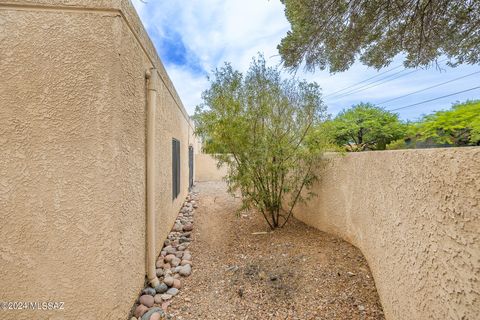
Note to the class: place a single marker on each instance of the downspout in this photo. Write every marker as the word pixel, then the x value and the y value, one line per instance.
pixel 151 76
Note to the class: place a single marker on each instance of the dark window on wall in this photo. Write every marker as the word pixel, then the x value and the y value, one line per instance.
pixel 175 168
pixel 190 167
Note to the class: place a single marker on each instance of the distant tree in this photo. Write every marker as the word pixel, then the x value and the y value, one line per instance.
pixel 409 139
pixel 365 127
pixel 459 126
pixel 261 126
pixel 334 33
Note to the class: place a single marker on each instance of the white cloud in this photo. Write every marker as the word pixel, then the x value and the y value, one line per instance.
pixel 189 86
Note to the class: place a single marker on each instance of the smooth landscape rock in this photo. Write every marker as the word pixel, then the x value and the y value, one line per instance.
pixel 185 262
pixel 169 257
pixel 177 283
pixel 169 249
pixel 188 227
pixel 166 296
pixel 158 298
pixel 187 256
pixel 159 264
pixel 155 316
pixel 172 291
pixel 185 271
pixel 150 291
pixel 140 310
pixel 161 288
pixel 160 272
pixel 168 281
pixel 146 300
pixel 151 312
pixel 175 262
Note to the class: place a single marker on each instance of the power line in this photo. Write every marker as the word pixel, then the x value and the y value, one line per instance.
pixel 375 84
pixel 379 82
pixel 428 88
pixel 445 96
pixel 356 84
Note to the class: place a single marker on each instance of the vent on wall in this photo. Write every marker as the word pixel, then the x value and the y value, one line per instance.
pixel 175 168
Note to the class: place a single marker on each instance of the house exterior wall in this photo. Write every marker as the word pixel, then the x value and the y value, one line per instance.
pixel 72 162
pixel 415 215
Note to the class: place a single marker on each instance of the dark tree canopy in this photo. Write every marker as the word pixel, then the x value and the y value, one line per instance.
pixel 334 33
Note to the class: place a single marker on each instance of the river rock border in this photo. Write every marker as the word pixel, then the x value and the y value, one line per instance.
pixel 173 264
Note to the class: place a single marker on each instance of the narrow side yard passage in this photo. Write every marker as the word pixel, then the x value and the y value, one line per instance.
pixel 296 272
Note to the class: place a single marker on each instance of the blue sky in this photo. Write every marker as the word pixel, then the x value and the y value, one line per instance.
pixel 195 38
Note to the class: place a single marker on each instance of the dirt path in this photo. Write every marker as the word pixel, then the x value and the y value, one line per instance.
pixel 294 273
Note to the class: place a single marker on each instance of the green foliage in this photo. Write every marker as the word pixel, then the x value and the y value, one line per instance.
pixel 397 145
pixel 365 127
pixel 459 126
pixel 334 33
pixel 409 140
pixel 261 126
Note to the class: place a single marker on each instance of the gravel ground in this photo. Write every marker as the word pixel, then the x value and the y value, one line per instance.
pixel 297 272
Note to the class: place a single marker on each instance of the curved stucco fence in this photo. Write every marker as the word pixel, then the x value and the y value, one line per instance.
pixel 72 160
pixel 415 215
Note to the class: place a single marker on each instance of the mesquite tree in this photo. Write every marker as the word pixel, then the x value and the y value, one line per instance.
pixel 334 33
pixel 261 127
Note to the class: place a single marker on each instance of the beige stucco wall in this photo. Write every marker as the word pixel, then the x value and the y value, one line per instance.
pixel 207 170
pixel 72 161
pixel 415 215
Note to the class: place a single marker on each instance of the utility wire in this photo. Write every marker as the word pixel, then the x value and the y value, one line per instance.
pixel 378 82
pixel 445 96
pixel 428 88
pixel 356 84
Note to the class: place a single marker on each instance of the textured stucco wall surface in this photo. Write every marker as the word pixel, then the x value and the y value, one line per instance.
pixel 72 161
pixel 415 215
pixel 206 168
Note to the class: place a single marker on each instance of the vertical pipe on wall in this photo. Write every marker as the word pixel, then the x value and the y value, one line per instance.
pixel 151 76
